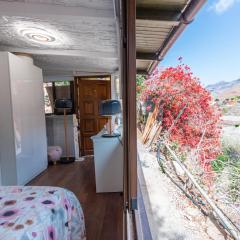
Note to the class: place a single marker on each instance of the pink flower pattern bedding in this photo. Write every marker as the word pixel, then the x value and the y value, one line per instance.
pixel 40 213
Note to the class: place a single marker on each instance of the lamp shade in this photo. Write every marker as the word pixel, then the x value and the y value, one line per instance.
pixel 63 103
pixel 109 107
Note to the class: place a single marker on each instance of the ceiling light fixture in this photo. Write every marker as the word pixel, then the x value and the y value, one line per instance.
pixel 40 34
pixel 37 35
pixel 44 38
pixel 40 38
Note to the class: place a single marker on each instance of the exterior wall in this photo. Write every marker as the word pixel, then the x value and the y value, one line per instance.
pixel 26 154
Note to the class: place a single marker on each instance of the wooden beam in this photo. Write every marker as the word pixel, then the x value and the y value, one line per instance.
pixel 142 72
pixel 150 39
pixel 58 69
pixel 158 15
pixel 155 24
pixel 61 52
pixel 53 74
pixel 146 49
pixel 38 10
pixel 131 102
pixel 54 78
pixel 149 34
pixel 128 65
pixel 147 56
pixel 159 29
pixel 150 43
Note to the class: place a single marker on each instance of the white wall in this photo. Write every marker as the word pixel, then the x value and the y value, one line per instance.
pixel 23 146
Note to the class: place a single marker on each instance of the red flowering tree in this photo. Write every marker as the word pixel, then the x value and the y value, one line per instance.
pixel 186 112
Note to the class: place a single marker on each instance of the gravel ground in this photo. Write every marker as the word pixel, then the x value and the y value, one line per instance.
pixel 175 216
pixel 197 225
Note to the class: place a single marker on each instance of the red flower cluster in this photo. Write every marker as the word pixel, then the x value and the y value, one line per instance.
pixel 186 111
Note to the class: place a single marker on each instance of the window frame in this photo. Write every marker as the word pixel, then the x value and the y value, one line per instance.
pixel 72 97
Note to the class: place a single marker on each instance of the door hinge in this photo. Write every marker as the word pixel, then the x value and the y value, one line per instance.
pixel 134 204
pixel 124 42
pixel 126 206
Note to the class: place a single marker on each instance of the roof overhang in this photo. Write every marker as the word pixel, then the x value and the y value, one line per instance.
pixel 158 25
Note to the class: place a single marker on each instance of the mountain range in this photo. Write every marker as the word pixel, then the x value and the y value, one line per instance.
pixel 223 90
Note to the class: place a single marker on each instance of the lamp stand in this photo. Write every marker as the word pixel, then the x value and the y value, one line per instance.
pixel 66 159
pixel 110 133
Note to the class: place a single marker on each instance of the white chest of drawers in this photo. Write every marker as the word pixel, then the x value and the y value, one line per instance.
pixel 108 161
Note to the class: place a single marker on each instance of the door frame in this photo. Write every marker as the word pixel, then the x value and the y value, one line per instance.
pixel 77 80
pixel 128 77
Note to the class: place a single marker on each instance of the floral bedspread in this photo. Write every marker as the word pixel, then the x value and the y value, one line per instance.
pixel 40 213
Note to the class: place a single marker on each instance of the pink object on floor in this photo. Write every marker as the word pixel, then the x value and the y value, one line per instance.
pixel 54 153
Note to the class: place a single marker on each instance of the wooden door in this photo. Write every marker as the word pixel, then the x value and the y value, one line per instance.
pixel 90 94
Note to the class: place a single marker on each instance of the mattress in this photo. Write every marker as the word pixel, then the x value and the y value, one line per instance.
pixel 40 213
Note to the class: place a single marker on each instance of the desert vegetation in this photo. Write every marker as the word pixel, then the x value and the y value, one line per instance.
pixel 174 108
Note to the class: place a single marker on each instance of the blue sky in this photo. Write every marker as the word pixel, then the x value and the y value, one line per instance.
pixel 211 44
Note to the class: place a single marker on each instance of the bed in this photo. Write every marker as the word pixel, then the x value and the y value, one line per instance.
pixel 40 213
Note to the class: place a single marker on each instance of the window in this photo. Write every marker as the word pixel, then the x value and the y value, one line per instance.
pixel 48 97
pixel 57 90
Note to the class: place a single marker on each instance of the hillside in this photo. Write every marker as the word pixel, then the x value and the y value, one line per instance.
pixel 228 96
pixel 224 90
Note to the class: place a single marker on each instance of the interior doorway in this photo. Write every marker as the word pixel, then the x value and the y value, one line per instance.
pixel 89 92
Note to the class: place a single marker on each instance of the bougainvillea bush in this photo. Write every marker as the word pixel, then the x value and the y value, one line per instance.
pixel 186 112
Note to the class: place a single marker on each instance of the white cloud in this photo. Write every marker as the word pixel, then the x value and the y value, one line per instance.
pixel 221 6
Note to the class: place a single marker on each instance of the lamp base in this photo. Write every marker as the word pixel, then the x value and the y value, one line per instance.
pixel 66 160
pixel 107 135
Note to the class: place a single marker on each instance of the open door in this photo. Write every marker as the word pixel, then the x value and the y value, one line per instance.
pixel 128 76
pixel 90 91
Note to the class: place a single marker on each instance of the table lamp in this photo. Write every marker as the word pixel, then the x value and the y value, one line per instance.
pixel 109 108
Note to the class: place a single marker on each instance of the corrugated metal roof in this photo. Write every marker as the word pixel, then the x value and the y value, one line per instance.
pixel 162 4
pixel 157 21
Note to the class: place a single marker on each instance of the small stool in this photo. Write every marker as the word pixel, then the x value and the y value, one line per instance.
pixel 54 154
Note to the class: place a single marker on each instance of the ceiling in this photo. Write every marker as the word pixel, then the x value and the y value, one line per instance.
pixel 80 37
pixel 76 36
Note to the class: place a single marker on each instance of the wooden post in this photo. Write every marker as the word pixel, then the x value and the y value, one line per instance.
pixel 65 133
pixel 128 79
pixel 128 58
pixel 227 224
